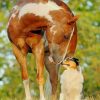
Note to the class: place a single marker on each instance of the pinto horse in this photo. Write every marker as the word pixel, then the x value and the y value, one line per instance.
pixel 47 29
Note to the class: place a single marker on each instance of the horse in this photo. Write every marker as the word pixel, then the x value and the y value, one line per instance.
pixel 47 29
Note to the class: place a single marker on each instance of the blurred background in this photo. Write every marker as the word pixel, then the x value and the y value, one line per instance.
pixel 88 51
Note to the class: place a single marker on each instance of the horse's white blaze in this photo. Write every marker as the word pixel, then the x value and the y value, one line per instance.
pixel 39 9
pixel 53 30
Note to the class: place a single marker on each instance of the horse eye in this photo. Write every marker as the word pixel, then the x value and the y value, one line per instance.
pixel 66 37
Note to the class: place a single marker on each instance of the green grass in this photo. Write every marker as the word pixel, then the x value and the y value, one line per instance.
pixel 37 98
pixel 93 98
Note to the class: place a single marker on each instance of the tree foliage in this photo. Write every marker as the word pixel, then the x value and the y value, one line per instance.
pixel 88 51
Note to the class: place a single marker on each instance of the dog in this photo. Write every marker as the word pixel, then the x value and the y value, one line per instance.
pixel 71 80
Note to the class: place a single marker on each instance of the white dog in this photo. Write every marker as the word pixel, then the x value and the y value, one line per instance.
pixel 71 80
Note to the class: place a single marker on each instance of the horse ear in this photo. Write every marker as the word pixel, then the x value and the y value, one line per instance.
pixel 73 20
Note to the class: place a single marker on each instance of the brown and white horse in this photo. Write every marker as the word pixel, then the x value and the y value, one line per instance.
pixel 46 28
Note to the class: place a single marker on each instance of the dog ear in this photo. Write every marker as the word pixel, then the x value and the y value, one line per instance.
pixel 73 20
pixel 76 61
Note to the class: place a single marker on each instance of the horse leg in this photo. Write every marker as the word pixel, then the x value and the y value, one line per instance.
pixel 39 54
pixel 21 58
pixel 51 68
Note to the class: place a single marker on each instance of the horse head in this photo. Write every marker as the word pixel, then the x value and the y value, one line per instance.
pixel 65 39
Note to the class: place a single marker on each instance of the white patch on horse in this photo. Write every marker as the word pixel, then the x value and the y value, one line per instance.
pixel 15 7
pixel 27 90
pixel 39 9
pixel 52 29
pixel 12 16
pixel 15 11
pixel 50 59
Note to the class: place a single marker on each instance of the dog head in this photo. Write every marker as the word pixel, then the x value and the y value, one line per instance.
pixel 70 63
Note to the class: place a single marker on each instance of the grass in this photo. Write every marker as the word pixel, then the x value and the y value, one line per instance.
pixel 36 98
pixel 93 98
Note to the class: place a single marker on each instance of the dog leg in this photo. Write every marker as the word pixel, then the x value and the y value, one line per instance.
pixel 21 58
